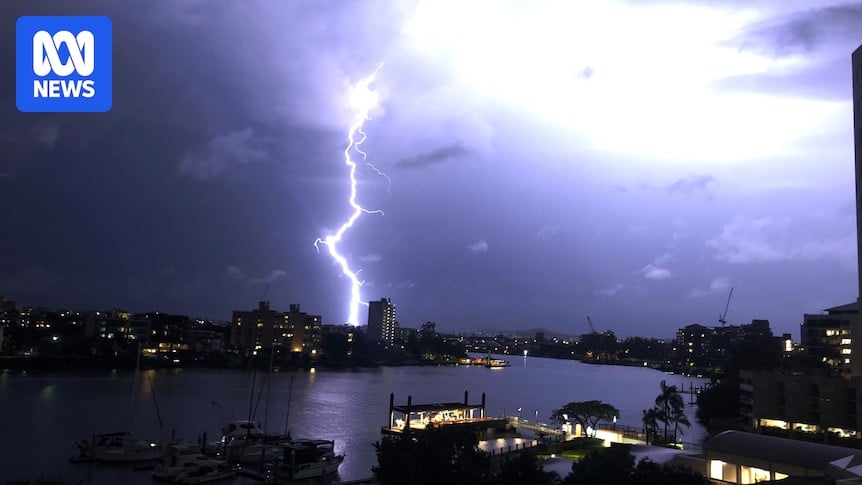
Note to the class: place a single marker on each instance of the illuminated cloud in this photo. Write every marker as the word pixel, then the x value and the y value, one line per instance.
pixel 652 272
pixel 234 273
pixel 767 240
pixel 611 290
pixel 478 247
pixel 237 147
pixel 717 286
pixel 736 100
pixel 657 270
pixel 371 258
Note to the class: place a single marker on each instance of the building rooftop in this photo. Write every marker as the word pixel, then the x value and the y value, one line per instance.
pixel 438 407
pixel 848 308
pixel 781 450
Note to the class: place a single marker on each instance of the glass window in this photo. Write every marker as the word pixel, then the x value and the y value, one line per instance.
pixel 750 474
pixel 719 470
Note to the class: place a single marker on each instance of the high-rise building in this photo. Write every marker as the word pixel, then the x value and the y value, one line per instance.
pixel 856 61
pixel 382 326
pixel 256 329
pixel 264 329
pixel 834 338
pixel 301 331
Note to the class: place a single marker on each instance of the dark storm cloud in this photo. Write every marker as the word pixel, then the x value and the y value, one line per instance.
pixel 216 111
pixel 220 163
pixel 823 79
pixel 823 37
pixel 434 157
pixel 236 147
pixel 804 31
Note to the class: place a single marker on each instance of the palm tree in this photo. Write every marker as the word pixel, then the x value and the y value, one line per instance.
pixel 678 417
pixel 670 407
pixel 650 421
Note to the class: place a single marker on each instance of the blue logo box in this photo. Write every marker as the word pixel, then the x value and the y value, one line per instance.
pixel 63 64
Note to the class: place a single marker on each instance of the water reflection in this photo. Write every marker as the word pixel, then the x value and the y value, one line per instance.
pixel 348 406
pixel 47 392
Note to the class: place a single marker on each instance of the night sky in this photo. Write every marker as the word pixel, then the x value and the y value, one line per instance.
pixel 630 161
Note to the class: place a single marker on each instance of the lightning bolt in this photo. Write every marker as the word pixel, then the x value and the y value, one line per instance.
pixel 382 174
pixel 363 100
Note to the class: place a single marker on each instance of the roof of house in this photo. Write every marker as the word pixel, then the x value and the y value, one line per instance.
pixel 779 450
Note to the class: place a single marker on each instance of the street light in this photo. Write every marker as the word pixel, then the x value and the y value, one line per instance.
pixel 519 414
pixel 537 417
pixel 615 423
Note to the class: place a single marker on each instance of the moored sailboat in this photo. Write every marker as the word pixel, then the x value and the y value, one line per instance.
pixel 121 447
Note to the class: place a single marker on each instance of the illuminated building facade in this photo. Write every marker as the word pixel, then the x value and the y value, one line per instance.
pixel 833 339
pixel 411 416
pixel 802 402
pixel 264 328
pixel 301 331
pixel 700 346
pixel 253 330
pixel 747 458
pixel 382 326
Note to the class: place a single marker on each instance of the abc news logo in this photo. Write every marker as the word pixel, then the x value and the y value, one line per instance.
pixel 46 59
pixel 63 64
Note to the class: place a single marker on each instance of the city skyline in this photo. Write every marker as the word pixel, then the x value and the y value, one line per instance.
pixel 627 161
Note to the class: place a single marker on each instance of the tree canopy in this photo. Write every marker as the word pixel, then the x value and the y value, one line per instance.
pixel 616 466
pixel 436 455
pixel 586 413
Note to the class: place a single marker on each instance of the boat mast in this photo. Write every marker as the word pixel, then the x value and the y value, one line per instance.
pixel 131 417
pixel 289 395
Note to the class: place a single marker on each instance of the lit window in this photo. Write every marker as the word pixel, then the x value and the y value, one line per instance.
pixel 846 351
pixel 845 341
pixel 719 470
pixel 750 474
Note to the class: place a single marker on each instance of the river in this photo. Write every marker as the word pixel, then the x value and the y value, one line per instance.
pixel 44 413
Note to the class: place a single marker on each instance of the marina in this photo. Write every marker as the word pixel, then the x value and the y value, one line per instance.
pixel 348 408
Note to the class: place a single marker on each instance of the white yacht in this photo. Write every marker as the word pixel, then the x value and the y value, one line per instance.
pixel 305 459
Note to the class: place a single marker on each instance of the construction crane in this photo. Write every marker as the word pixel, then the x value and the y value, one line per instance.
pixel 722 319
pixel 592 328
